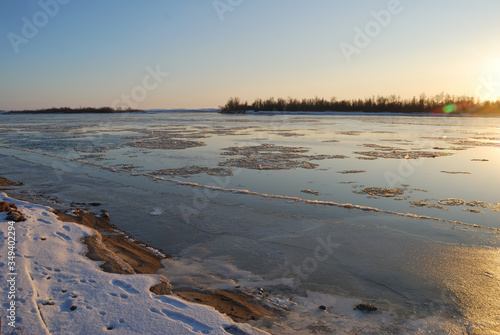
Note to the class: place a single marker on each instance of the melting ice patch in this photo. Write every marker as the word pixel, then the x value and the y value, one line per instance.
pixel 337 316
pixel 157 211
pixel 214 273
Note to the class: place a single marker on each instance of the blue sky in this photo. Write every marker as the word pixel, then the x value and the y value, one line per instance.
pixel 102 53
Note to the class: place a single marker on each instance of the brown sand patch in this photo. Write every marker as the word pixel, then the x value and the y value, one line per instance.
pixel 4 182
pixel 13 214
pixel 4 206
pixel 479 160
pixel 162 288
pixel 238 306
pixel 110 245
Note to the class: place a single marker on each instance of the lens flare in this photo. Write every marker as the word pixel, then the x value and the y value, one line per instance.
pixel 450 108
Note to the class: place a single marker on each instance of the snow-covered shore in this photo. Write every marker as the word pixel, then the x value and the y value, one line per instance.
pixel 60 291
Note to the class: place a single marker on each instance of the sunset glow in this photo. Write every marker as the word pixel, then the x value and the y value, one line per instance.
pixel 93 53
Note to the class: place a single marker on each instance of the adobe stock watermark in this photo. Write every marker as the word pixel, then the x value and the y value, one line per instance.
pixel 139 93
pixel 31 27
pixel 150 81
pixel 322 252
pixel 206 193
pixel 407 167
pixel 488 88
pixel 372 29
pixel 223 6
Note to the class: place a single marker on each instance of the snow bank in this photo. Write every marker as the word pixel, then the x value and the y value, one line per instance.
pixel 60 291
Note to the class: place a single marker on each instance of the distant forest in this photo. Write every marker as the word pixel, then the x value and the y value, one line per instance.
pixel 438 104
pixel 67 110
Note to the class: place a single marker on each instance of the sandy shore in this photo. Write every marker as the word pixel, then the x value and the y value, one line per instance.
pixel 4 182
pixel 122 254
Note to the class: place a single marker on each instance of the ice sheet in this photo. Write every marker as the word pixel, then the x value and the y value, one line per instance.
pixel 256 229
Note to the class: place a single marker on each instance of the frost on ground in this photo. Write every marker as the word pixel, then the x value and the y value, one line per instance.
pixel 59 291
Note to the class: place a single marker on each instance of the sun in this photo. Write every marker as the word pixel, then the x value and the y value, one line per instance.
pixel 488 87
pixel 496 66
pixel 495 74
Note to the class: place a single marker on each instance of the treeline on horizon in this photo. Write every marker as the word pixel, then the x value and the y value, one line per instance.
pixel 440 103
pixel 81 110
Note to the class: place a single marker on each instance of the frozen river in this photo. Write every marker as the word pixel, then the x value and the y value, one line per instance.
pixel 401 212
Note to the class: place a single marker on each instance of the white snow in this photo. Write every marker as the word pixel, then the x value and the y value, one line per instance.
pixel 53 277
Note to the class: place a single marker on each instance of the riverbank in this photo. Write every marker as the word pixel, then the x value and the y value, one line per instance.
pixel 118 254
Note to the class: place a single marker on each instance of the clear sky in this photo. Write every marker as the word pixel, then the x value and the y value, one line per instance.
pixel 102 53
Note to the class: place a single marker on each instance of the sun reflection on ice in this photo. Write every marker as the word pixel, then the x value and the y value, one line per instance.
pixel 471 278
